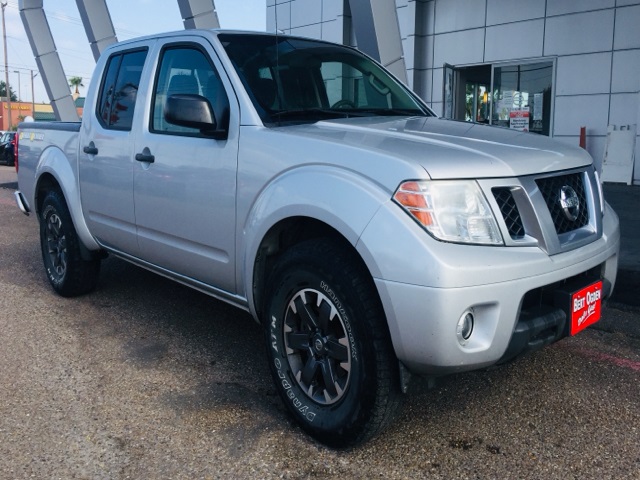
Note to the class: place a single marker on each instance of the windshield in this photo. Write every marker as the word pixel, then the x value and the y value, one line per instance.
pixel 299 80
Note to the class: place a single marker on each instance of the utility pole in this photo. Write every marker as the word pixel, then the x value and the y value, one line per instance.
pixel 6 67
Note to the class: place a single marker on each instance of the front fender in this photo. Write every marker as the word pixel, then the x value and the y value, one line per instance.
pixel 54 162
pixel 337 197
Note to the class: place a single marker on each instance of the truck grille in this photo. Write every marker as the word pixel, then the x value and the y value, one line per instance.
pixel 566 200
pixel 509 210
pixel 555 213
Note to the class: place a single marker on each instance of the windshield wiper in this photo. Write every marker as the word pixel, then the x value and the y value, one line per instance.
pixel 314 114
pixel 309 114
pixel 389 112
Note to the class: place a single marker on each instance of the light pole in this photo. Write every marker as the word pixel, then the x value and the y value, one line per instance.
pixel 33 97
pixel 19 96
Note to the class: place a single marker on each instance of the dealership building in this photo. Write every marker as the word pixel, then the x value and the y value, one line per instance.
pixel 546 66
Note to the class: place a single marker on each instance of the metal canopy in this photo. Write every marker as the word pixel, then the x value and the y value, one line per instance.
pixel 198 14
pixel 375 23
pixel 97 25
pixel 47 59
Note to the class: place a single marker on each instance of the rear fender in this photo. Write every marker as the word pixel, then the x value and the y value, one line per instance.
pixel 54 162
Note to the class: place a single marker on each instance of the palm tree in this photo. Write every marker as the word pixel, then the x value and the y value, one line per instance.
pixel 3 91
pixel 76 82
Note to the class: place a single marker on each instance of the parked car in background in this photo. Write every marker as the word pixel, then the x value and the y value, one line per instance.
pixel 7 147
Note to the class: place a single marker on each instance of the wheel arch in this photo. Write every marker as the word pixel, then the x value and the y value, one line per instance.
pixel 54 171
pixel 46 183
pixel 309 202
pixel 282 236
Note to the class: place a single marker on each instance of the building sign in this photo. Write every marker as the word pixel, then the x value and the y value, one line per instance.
pixel 519 119
pixel 17 107
pixel 537 107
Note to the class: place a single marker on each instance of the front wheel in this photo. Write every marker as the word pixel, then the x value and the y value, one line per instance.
pixel 329 346
pixel 68 273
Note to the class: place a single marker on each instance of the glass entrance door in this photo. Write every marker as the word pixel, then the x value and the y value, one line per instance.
pixel 477 107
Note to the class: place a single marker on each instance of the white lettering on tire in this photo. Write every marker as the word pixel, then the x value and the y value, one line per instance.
pixel 301 407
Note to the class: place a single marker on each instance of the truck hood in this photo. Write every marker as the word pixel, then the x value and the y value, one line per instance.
pixel 452 149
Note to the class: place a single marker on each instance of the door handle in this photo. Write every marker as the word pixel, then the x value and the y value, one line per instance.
pixel 90 149
pixel 145 156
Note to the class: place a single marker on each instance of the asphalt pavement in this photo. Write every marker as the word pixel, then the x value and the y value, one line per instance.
pixel 625 200
pixel 145 378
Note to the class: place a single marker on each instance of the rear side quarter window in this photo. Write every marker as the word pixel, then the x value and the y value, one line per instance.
pixel 119 89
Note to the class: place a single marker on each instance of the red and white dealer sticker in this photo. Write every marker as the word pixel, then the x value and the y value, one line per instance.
pixel 585 307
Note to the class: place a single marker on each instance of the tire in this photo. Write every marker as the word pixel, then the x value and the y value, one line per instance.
pixel 9 159
pixel 328 345
pixel 69 274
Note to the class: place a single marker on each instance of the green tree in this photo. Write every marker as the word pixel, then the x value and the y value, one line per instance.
pixel 3 91
pixel 76 82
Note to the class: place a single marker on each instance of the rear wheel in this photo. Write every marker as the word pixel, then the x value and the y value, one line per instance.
pixel 68 273
pixel 329 346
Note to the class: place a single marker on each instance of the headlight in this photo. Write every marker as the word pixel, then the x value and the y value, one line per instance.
pixel 450 210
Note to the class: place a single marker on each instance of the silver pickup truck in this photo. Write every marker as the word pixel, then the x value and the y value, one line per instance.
pixel 298 180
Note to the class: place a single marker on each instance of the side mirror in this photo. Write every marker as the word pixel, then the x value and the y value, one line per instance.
pixel 193 111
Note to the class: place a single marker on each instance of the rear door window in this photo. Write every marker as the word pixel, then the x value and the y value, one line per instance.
pixel 119 89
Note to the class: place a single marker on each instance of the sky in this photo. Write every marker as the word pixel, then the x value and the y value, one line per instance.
pixel 131 18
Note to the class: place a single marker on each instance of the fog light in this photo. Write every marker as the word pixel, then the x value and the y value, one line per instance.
pixel 465 327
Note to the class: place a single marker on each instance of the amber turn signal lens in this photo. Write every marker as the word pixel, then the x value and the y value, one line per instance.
pixel 410 196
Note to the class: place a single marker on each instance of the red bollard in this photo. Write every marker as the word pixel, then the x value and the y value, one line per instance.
pixel 583 137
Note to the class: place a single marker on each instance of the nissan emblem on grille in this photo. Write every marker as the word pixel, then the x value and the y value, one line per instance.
pixel 570 202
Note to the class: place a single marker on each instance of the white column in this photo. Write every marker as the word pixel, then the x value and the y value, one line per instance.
pixel 97 25
pixel 47 59
pixel 198 14
pixel 375 23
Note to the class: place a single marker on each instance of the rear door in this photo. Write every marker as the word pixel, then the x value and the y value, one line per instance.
pixel 106 151
pixel 184 181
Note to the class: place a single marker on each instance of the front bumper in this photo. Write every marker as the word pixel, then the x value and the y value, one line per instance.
pixel 510 291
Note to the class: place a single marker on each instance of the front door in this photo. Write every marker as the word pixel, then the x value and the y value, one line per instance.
pixel 184 181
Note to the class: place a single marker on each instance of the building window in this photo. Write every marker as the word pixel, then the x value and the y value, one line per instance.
pixel 522 96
